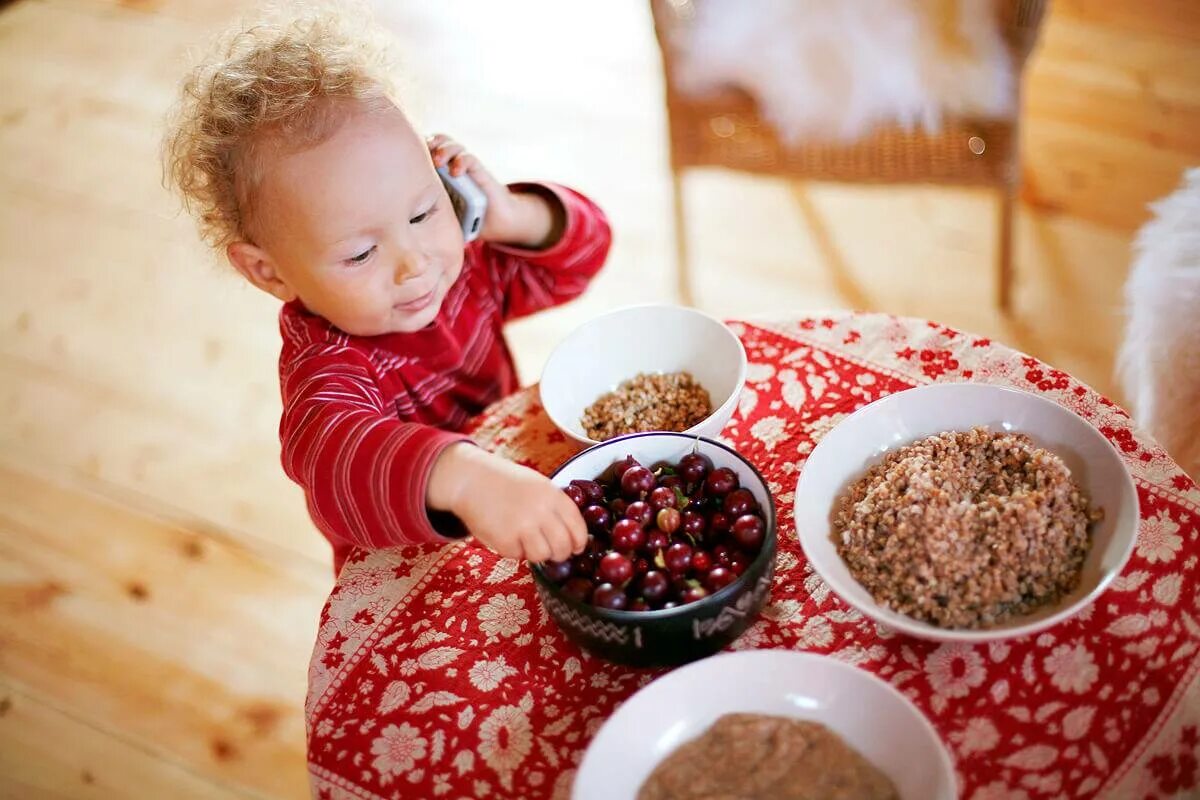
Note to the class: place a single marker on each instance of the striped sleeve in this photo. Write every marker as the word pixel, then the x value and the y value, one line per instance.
pixel 531 280
pixel 364 472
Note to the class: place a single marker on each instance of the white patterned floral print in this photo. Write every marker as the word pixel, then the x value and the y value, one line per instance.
pixel 1158 539
pixel 954 670
pixel 1071 668
pixel 505 739
pixel 998 790
pixel 504 615
pixel 487 675
pixel 397 750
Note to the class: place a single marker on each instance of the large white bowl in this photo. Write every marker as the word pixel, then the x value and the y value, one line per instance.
pixel 869 714
pixel 652 339
pixel 863 438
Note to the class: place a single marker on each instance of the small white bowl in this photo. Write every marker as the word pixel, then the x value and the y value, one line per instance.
pixel 652 339
pixel 863 438
pixel 869 714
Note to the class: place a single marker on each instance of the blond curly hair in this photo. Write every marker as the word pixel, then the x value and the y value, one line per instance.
pixel 267 83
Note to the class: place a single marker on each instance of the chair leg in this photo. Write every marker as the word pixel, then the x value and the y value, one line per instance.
pixel 682 267
pixel 1004 277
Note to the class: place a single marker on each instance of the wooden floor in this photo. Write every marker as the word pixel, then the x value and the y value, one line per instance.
pixel 159 579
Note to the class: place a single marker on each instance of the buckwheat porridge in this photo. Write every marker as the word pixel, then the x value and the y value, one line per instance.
pixel 966 529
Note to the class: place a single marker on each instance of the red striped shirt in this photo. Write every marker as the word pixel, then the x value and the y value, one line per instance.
pixel 364 418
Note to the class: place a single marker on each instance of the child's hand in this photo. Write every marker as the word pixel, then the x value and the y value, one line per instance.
pixel 512 509
pixel 518 218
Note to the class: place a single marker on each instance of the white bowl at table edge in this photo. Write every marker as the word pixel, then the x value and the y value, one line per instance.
pixel 893 734
pixel 976 404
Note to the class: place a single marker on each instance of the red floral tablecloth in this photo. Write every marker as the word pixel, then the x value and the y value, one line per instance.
pixel 436 674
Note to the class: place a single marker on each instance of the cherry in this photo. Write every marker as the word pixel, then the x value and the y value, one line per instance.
pixel 702 561
pixel 618 507
pixel 739 502
pixel 557 571
pixel 640 511
pixel 737 565
pixel 718 578
pixel 637 482
pixel 678 558
pixel 748 531
pixel 721 553
pixel 693 524
pixel 627 535
pixel 578 589
pixel 597 519
pixel 669 520
pixel 657 540
pixel 592 490
pixel 694 467
pixel 655 585
pixel 623 466
pixel 577 495
pixel 671 482
pixel 584 564
pixel 615 568
pixel 720 481
pixel 692 594
pixel 670 604
pixel 640 566
pixel 639 604
pixel 661 498
pixel 609 596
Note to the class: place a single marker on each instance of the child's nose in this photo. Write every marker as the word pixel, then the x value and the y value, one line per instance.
pixel 406 268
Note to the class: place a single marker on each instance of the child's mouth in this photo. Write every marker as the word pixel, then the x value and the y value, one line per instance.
pixel 417 304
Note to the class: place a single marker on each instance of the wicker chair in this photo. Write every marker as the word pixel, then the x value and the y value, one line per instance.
pixel 724 130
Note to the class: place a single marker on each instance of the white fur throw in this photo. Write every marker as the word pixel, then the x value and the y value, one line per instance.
pixel 1159 361
pixel 834 69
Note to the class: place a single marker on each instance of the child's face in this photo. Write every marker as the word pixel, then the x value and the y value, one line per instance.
pixel 358 228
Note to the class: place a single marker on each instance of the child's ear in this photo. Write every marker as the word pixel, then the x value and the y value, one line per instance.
pixel 257 267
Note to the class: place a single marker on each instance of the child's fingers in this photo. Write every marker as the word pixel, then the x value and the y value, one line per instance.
pixel 462 162
pixel 537 547
pixel 573 520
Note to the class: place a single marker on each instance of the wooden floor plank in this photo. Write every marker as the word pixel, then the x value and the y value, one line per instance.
pixel 47 753
pixel 192 648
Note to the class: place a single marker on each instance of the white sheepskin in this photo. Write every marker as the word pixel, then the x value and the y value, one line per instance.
pixel 1159 362
pixel 822 70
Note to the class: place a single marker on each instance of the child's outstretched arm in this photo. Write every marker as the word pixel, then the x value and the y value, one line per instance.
pixel 372 480
pixel 542 242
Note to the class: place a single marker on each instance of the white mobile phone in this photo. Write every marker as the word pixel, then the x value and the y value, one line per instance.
pixel 469 201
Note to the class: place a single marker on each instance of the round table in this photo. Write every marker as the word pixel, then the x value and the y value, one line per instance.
pixel 436 673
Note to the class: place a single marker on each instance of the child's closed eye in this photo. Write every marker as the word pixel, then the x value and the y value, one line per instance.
pixel 424 215
pixel 362 257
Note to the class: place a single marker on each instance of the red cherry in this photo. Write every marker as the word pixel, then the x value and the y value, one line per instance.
pixel 694 467
pixel 597 519
pixel 623 466
pixel 640 511
pixel 655 585
pixel 702 561
pixel 720 482
pixel 661 498
pixel 748 531
pixel 615 568
pixel 577 495
pixel 637 482
pixel 578 589
pixel 627 536
pixel 592 490
pixel 609 596
pixel 720 523
pixel 678 558
pixel 718 578
pixel 657 540
pixel 693 594
pixel 739 502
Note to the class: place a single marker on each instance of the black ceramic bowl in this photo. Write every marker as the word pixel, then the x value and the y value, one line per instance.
pixel 676 635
